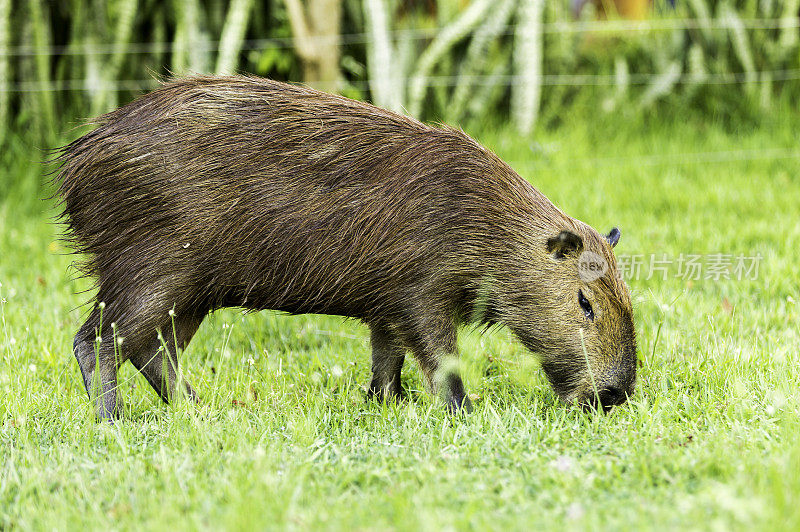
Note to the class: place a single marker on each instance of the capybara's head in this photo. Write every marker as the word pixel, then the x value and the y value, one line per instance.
pixel 577 315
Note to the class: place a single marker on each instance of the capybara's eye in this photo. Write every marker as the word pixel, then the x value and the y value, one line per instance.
pixel 585 305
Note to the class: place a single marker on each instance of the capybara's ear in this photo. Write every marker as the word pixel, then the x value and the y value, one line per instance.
pixel 613 236
pixel 564 243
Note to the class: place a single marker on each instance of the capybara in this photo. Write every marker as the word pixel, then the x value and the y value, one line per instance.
pixel 236 191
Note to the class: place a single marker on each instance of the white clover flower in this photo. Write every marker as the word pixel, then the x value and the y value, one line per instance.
pixel 563 463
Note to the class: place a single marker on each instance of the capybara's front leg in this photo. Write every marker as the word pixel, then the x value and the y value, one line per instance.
pixel 433 343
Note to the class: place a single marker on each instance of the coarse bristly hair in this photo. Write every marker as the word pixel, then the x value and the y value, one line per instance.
pixel 238 191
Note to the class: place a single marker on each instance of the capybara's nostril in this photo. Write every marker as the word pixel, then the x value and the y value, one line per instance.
pixel 611 396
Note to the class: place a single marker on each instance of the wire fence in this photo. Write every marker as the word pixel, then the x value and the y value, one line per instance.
pixel 675 159
pixel 564 27
pixel 726 78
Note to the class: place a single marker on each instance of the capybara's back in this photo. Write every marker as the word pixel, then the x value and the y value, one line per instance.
pixel 231 191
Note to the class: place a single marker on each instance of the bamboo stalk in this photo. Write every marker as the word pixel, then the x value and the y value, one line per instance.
pixel 381 67
pixel 106 97
pixel 486 95
pixel 528 56
pixel 476 57
pixel 233 36
pixel 661 85
pixel 196 51
pixel 741 45
pixel 180 44
pixel 41 43
pixel 5 41
pixel 188 51
pixel 442 43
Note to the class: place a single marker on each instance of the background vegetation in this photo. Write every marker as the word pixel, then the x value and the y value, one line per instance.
pixel 451 60
pixel 678 126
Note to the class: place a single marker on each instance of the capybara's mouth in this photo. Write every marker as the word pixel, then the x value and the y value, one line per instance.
pixel 603 399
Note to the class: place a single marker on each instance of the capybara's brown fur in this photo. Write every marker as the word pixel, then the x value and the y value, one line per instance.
pixel 215 192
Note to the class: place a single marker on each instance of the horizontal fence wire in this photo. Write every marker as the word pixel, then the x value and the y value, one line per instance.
pixel 612 26
pixel 674 159
pixel 724 78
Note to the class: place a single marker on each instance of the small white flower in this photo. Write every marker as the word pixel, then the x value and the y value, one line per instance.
pixel 336 371
pixel 99 339
pixel 563 463
pixel 114 325
pixel 575 511
pixel 171 313
pixel 102 305
pixel 32 368
pixel 120 340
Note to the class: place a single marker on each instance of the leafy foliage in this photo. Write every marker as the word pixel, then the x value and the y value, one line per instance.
pixel 445 60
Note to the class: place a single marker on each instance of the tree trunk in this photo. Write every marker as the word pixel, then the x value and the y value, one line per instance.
pixel 315 31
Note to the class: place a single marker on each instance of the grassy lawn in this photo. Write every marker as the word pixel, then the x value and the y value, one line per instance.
pixel 284 437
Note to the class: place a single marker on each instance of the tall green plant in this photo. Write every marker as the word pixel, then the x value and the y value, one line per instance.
pixel 106 97
pixel 477 58
pixel 189 52
pixel 233 35
pixel 383 75
pixel 5 85
pixel 45 104
pixel 441 45
pixel 528 54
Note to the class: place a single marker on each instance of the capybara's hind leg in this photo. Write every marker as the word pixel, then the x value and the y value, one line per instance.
pixel 388 354
pixel 158 361
pixel 99 363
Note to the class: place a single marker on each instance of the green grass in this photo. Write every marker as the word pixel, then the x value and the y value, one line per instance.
pixel 285 439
